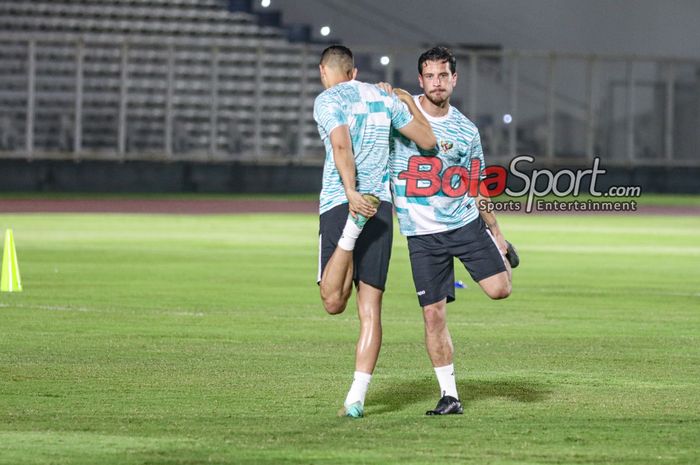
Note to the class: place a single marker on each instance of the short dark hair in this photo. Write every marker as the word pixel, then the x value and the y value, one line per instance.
pixel 338 56
pixel 441 54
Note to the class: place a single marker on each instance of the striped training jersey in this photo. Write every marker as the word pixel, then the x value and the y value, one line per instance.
pixel 429 186
pixel 369 113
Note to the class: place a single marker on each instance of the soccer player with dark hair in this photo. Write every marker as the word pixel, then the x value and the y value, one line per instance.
pixel 443 222
pixel 355 235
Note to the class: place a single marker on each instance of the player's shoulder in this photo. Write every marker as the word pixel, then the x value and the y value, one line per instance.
pixel 370 91
pixel 460 118
pixel 329 99
pixel 326 95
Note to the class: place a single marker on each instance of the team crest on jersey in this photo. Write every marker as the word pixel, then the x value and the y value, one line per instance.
pixel 446 145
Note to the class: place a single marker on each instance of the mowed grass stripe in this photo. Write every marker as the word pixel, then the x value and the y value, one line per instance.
pixel 177 339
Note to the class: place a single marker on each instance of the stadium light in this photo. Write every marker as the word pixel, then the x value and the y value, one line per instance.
pixel 325 30
pixel 507 118
pixel 384 60
pixel 264 3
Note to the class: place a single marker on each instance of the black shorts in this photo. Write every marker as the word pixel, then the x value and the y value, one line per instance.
pixel 372 249
pixel 432 260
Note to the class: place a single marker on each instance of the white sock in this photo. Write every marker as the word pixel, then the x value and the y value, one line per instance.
pixel 446 378
pixel 358 390
pixel 350 234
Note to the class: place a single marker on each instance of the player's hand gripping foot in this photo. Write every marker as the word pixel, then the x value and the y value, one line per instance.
pixel 512 256
pixel 363 215
pixel 447 405
pixel 354 410
pixel 364 207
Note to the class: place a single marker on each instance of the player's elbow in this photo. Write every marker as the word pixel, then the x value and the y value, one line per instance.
pixel 340 147
pixel 428 141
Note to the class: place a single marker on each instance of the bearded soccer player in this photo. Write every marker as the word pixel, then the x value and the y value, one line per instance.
pixel 354 121
pixel 442 222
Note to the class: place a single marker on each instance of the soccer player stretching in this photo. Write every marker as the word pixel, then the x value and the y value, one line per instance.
pixel 440 220
pixel 355 236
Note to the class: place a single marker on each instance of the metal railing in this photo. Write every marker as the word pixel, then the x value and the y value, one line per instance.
pixel 571 107
pixel 114 97
pixel 138 97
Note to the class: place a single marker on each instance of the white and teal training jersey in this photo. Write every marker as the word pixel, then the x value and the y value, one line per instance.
pixel 427 199
pixel 369 114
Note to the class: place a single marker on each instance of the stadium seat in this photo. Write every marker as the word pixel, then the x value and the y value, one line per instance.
pixel 194 27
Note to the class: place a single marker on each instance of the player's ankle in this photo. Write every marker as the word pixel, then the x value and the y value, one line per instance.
pixel 351 232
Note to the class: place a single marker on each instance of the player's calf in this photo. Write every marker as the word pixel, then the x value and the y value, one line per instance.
pixel 335 291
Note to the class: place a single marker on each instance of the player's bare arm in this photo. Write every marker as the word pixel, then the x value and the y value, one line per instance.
pixel 345 163
pixel 419 129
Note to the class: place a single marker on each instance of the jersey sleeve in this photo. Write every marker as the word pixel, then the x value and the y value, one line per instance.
pixel 400 115
pixel 476 152
pixel 328 113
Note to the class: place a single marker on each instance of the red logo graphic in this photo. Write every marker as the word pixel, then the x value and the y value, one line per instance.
pixel 425 177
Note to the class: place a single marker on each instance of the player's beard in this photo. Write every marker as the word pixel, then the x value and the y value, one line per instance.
pixel 439 100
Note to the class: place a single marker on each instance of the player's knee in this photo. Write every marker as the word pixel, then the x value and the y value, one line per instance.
pixel 434 316
pixel 500 292
pixel 334 306
pixel 368 312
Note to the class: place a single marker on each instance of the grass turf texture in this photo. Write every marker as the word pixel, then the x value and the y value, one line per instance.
pixel 181 340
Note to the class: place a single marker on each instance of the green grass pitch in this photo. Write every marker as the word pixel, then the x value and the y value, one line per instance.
pixel 185 340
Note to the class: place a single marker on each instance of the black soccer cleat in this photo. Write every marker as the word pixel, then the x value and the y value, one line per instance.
pixel 512 256
pixel 447 405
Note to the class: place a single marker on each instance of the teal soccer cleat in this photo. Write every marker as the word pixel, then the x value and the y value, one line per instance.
pixel 354 410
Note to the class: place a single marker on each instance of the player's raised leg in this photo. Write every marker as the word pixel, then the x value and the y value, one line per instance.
pixel 498 285
pixel 336 281
pixel 337 275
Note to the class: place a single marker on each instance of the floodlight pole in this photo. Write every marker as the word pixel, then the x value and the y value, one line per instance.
pixel 389 71
pixel 123 103
pixel 591 95
pixel 214 104
pixel 630 109
pixel 512 127
pixel 670 103
pixel 257 126
pixel 473 84
pixel 78 125
pixel 31 97
pixel 301 130
pixel 169 102
pixel 550 107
